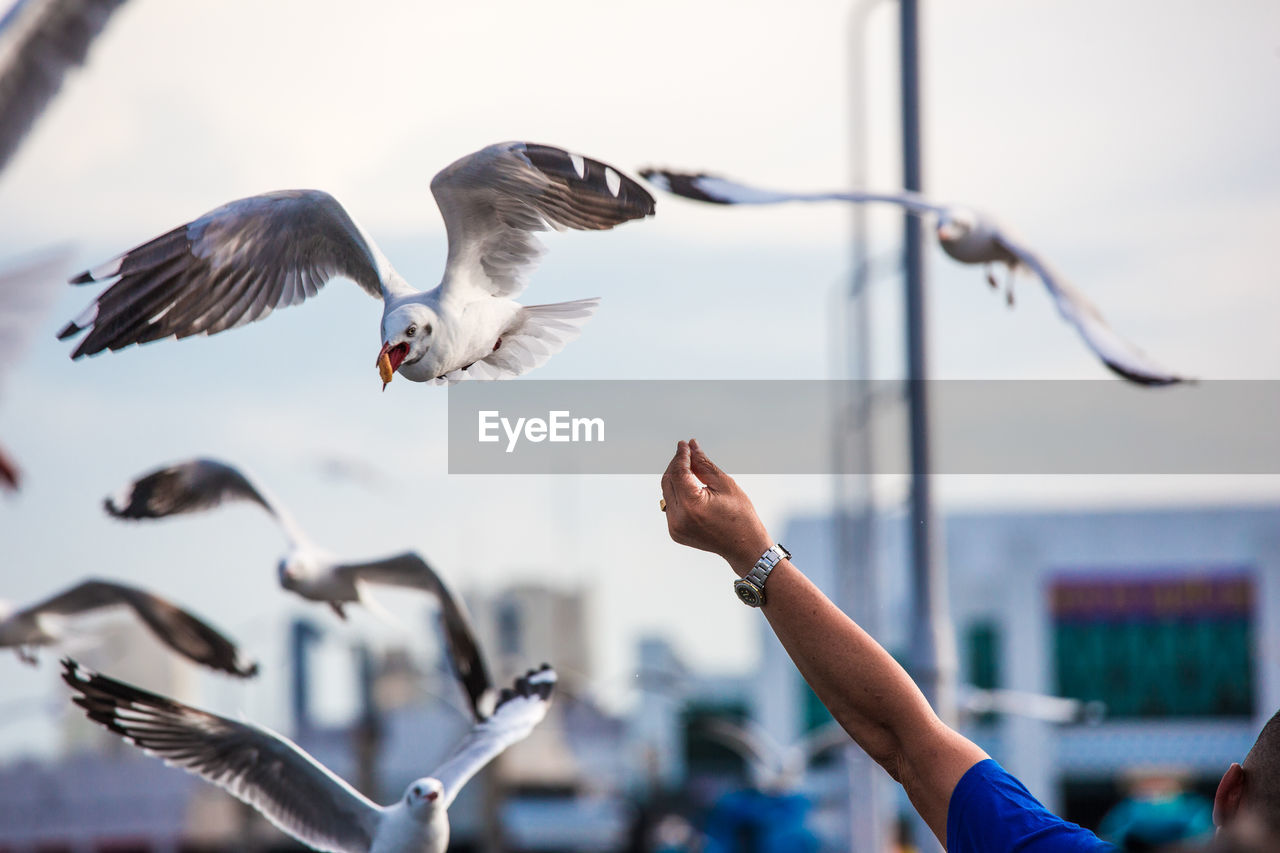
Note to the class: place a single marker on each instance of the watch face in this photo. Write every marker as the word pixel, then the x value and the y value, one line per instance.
pixel 747 592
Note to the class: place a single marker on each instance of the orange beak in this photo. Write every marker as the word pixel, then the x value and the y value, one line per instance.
pixel 389 360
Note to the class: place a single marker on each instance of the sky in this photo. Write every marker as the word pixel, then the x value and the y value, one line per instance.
pixel 1133 144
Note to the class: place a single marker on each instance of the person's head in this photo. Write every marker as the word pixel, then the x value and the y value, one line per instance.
pixel 1246 808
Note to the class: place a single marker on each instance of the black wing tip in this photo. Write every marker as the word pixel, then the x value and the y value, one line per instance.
pixel 633 201
pixel 85 277
pixel 684 184
pixel 1146 379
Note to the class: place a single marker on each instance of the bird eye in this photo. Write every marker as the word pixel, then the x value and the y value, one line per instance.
pixel 417 790
pixel 411 331
pixel 428 329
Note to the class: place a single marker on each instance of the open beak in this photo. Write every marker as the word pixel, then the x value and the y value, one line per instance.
pixel 389 360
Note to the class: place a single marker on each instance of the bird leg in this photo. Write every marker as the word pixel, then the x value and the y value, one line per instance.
pixel 26 655
pixel 1008 286
pixel 991 277
pixel 337 608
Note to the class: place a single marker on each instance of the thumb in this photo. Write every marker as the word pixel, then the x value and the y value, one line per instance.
pixel 706 470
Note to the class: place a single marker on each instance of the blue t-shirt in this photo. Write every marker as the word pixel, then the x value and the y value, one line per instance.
pixel 991 812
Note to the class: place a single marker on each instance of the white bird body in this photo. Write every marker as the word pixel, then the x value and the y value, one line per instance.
pixel 403 828
pixel 238 263
pixel 967 237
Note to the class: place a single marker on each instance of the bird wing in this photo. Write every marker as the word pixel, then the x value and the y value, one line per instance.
pixel 180 630
pixel 195 486
pixel 1118 354
pixel 748 741
pixel 519 710
pixel 701 186
pixel 823 739
pixel 465 657
pixel 231 266
pixel 254 764
pixel 39 41
pixel 540 332
pixel 494 199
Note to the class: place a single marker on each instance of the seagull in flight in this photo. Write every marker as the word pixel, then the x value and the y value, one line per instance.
pixel 966 236
pixel 774 767
pixel 289 787
pixel 53 621
pixel 238 263
pixel 40 40
pixel 310 571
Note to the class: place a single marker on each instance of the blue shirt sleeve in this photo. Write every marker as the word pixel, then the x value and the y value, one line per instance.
pixel 991 812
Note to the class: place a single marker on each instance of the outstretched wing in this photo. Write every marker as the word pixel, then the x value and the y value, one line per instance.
pixel 518 711
pixel 180 630
pixel 231 266
pixel 194 486
pixel 1118 354
pixel 40 40
pixel 465 657
pixel 493 200
pixel 258 766
pixel 748 741
pixel 701 186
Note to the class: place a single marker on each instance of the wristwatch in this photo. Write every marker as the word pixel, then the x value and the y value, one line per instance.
pixel 750 588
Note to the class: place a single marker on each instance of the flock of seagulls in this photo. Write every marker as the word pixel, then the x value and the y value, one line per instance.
pixel 235 265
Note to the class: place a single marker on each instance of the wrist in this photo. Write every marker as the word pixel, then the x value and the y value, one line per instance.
pixel 744 556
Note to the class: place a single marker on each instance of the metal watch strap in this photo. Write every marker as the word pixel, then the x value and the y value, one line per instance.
pixel 750 588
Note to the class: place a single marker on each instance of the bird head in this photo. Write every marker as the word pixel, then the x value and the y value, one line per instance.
pixel 424 796
pixel 956 224
pixel 407 333
pixel 290 571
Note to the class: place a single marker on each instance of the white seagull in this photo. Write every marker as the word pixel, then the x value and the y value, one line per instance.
pixel 40 40
pixel 52 621
pixel 292 789
pixel 966 236
pixel 238 263
pixel 307 569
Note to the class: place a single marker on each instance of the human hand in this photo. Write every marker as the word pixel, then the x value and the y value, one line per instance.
pixel 707 510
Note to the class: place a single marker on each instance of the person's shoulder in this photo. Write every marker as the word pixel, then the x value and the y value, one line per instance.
pixel 992 811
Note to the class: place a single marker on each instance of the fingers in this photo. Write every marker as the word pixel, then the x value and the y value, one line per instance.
pixel 707 471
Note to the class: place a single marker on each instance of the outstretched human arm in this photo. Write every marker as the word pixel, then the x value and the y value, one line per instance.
pixel 865 689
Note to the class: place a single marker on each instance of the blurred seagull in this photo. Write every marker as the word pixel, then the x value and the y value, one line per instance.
pixel 51 621
pixel 39 41
pixel 25 295
pixel 289 787
pixel 238 263
pixel 774 767
pixel 967 237
pixel 310 571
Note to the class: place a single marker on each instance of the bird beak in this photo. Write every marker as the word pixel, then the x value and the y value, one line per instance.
pixel 431 796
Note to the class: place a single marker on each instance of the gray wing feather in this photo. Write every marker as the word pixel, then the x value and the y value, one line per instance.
pixel 193 486
pixel 465 657
pixel 180 630
pixel 518 711
pixel 1119 355
pixel 714 189
pixel 258 766
pixel 232 266
pixel 40 40
pixel 494 199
